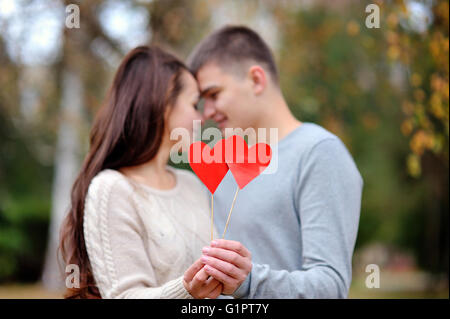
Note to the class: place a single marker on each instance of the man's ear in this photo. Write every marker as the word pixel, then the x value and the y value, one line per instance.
pixel 259 79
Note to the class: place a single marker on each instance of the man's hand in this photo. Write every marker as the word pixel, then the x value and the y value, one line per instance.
pixel 199 284
pixel 227 261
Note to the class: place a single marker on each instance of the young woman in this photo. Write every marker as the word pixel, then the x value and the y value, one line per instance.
pixel 136 226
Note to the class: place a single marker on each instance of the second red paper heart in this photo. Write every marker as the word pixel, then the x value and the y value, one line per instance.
pixel 246 163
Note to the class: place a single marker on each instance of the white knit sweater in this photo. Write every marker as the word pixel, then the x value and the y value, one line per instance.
pixel 141 240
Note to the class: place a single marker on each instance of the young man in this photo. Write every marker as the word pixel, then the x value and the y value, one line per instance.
pixel 299 223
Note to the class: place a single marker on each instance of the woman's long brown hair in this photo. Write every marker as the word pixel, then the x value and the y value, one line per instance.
pixel 127 131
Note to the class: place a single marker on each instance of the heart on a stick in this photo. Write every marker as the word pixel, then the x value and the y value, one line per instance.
pixel 246 163
pixel 209 164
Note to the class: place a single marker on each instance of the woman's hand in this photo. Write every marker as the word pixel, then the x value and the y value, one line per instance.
pixel 199 284
pixel 227 261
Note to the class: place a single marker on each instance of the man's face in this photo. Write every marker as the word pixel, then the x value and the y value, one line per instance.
pixel 228 98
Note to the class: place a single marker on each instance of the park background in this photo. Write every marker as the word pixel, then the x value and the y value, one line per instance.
pixel 384 91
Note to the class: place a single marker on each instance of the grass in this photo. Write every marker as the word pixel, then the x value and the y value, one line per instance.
pixel 37 291
pixel 399 285
pixel 27 291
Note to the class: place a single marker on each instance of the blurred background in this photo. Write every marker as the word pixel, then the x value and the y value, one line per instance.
pixel 384 91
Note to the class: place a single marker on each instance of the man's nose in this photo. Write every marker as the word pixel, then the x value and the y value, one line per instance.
pixel 208 109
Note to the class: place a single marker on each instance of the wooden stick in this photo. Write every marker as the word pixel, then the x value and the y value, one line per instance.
pixel 212 217
pixel 229 214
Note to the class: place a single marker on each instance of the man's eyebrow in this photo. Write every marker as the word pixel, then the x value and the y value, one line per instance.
pixel 209 89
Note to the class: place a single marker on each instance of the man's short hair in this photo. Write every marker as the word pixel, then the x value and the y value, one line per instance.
pixel 230 47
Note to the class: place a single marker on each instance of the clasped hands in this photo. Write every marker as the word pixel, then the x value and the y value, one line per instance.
pixel 222 268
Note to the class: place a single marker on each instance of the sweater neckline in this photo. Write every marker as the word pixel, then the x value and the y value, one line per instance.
pixel 153 190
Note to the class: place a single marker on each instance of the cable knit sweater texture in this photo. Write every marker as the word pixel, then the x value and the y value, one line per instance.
pixel 140 240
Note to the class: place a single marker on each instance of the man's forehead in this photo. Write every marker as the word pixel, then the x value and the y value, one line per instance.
pixel 209 76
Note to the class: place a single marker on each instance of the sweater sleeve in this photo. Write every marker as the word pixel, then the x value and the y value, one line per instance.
pixel 329 199
pixel 115 245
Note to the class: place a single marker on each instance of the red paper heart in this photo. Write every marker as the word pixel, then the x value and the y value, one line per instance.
pixel 209 165
pixel 245 164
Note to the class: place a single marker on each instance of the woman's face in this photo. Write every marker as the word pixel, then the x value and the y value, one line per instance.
pixel 183 114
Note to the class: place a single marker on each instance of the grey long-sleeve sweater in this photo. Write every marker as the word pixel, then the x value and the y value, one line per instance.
pixel 300 223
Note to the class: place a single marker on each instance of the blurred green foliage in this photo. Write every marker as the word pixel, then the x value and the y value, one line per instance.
pixel 339 73
pixel 24 206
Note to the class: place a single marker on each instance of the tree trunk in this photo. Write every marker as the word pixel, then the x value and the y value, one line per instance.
pixel 66 167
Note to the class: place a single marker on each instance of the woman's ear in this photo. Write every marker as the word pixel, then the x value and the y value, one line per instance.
pixel 259 79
